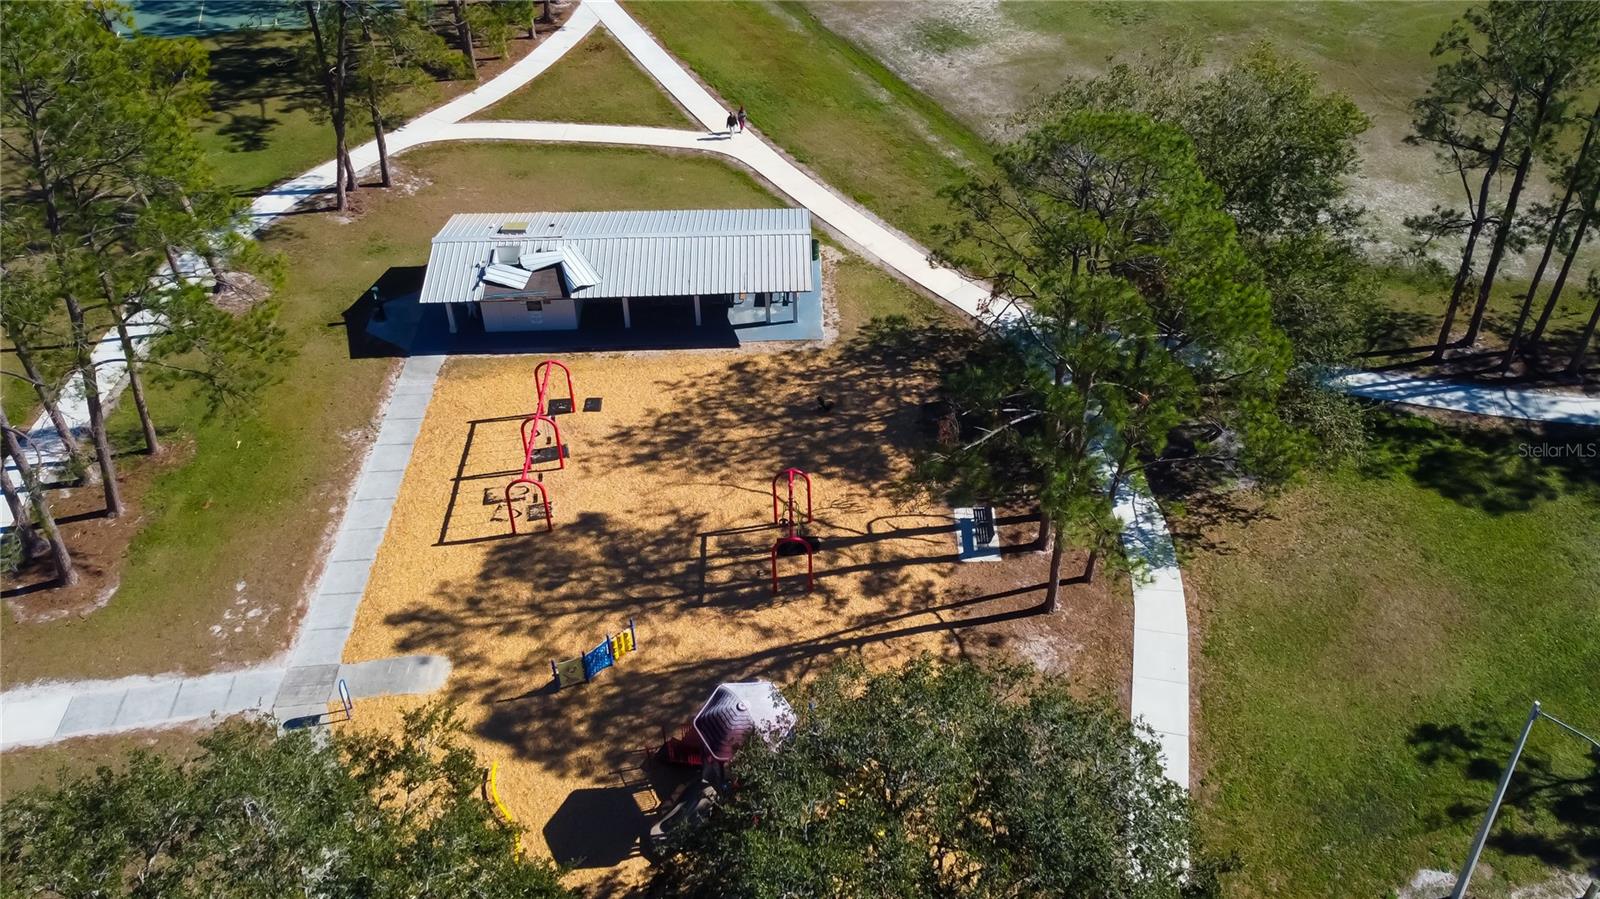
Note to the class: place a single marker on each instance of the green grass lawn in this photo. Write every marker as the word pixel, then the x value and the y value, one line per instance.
pixel 597 82
pixel 831 106
pixel 240 525
pixel 1376 52
pixel 264 126
pixel 1371 648
pixel 261 130
pixel 1411 309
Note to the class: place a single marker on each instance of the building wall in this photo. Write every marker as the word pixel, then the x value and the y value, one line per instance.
pixel 514 315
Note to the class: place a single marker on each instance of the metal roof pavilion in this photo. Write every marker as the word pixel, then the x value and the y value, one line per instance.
pixel 628 254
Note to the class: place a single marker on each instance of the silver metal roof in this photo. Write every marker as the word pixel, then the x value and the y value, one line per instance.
pixel 631 254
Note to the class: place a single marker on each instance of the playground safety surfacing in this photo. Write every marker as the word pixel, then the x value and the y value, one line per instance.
pixel 662 515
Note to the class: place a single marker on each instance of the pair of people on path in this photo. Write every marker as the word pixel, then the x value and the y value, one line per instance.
pixel 738 119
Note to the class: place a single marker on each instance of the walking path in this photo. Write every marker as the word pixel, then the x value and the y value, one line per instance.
pixel 1476 399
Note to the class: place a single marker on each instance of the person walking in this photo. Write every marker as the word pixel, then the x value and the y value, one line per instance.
pixel 732 120
pixel 742 118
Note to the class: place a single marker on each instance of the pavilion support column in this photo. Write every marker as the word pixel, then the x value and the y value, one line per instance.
pixel 627 314
pixel 450 316
pixel 697 310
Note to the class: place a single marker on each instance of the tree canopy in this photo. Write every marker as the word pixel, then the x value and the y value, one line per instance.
pixel 257 814
pixel 1502 96
pixel 1136 313
pixel 107 188
pixel 1282 151
pixel 945 780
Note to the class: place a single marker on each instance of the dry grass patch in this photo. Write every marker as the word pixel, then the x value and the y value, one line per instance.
pixel 663 515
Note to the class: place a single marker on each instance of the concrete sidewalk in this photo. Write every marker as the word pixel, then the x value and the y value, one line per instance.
pixel 42 715
pixel 1475 399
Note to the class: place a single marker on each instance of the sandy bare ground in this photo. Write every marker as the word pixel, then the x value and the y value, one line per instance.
pixel 998 67
pixel 663 515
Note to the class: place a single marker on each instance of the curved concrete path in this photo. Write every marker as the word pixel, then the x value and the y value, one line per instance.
pixel 1476 399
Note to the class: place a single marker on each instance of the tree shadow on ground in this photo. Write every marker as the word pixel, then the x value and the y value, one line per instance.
pixel 1403 341
pixel 596 827
pixel 247 70
pixel 869 387
pixel 1394 332
pixel 1550 807
pixel 1202 516
pixel 1492 467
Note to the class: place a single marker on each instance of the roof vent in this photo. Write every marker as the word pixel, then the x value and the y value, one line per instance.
pixel 514 228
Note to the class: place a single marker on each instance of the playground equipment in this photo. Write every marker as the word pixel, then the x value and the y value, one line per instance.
pixel 795 538
pixel 737 711
pixel 734 713
pixel 541 386
pixel 530 432
pixel 536 419
pixel 544 500
pixel 529 439
pixel 491 789
pixel 585 668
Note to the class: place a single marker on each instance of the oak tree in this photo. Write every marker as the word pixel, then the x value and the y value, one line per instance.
pixel 946 780
pixel 257 813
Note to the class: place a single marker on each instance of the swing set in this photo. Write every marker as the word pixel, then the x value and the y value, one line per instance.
pixel 530 432
pixel 795 537
pixel 541 386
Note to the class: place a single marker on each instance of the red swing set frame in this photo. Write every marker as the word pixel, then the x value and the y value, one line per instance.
pixel 541 384
pixel 527 441
pixel 787 521
pixel 544 499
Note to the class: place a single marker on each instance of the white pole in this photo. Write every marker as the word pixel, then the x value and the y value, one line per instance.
pixel 697 310
pixel 627 316
pixel 1494 808
pixel 450 315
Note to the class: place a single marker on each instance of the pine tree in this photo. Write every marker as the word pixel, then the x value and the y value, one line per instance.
pixel 1583 166
pixel 397 52
pixel 1509 69
pixel 38 511
pixel 1136 312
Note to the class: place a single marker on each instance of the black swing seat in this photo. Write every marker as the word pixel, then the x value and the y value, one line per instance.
pixel 791 548
pixel 544 454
